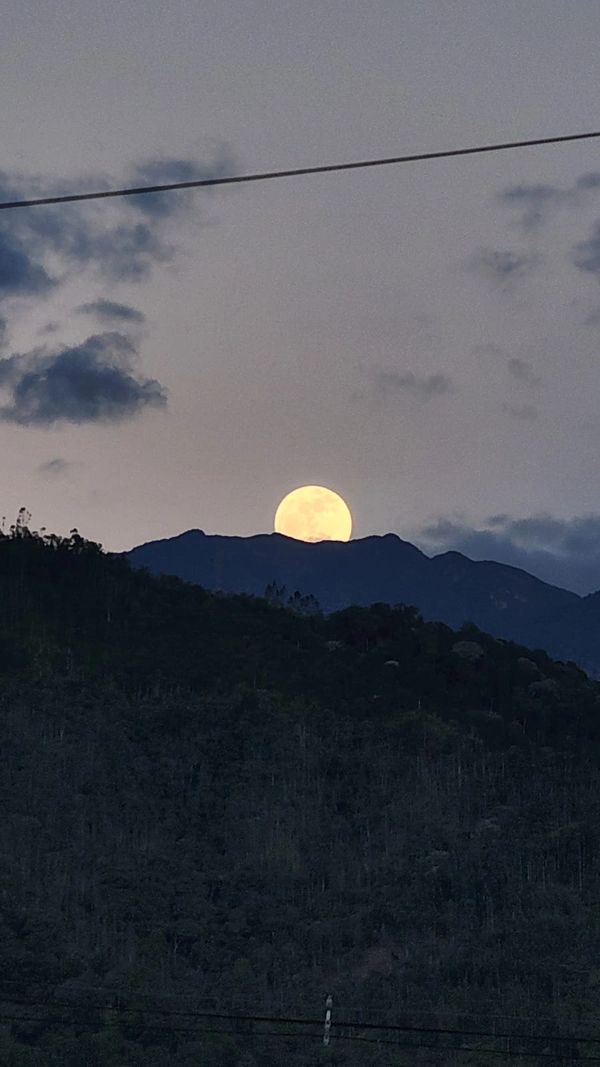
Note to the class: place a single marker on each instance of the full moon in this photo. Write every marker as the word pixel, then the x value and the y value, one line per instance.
pixel 313 513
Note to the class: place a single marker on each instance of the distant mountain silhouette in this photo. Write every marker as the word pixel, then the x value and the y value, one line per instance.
pixel 504 601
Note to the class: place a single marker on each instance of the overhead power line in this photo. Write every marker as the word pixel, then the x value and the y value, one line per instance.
pixel 556 1057
pixel 296 172
pixel 406 1008
pixel 194 1017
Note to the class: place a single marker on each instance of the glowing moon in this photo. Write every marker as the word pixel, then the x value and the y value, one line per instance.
pixel 313 513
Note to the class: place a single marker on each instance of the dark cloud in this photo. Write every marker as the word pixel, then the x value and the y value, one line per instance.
pixel 110 310
pixel 53 468
pixel 588 182
pixel 536 200
pixel 564 552
pixel 525 412
pixel 3 332
pixel 20 274
pixel 82 237
pixel 523 371
pixel 127 253
pixel 167 171
pixel 121 241
pixel 89 382
pixel 392 383
pixel 504 266
pixel 586 254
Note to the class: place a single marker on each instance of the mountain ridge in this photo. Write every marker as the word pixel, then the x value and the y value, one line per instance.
pixel 501 599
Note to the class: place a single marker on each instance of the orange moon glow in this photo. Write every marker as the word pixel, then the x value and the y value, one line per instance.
pixel 313 513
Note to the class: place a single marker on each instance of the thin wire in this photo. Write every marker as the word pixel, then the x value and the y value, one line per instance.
pixel 328 168
pixel 405 1009
pixel 294 1021
pixel 508 1054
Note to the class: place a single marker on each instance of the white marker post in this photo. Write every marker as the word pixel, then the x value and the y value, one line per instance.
pixel 328 1004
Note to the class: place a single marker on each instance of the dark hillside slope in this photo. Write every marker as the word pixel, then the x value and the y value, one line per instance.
pixel 451 588
pixel 215 804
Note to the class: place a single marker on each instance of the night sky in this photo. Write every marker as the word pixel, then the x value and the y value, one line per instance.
pixel 422 339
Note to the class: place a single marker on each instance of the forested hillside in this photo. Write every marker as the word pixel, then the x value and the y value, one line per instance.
pixel 212 803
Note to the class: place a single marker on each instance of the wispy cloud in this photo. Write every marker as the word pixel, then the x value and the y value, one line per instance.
pixel 523 371
pixel 393 383
pixel 535 201
pixel 111 310
pixel 123 241
pixel 90 382
pixel 53 468
pixel 524 412
pixel 166 171
pixel 504 266
pixel 586 254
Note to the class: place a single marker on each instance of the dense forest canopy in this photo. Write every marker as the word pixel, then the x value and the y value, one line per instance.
pixel 218 803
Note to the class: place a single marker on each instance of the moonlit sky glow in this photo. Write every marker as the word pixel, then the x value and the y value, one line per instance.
pixel 425 338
